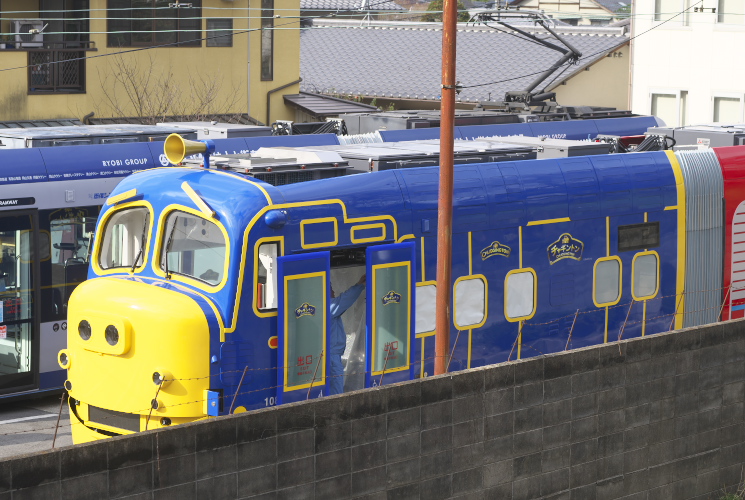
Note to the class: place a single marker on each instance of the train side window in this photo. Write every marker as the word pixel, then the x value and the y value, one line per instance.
pixel 194 247
pixel 470 302
pixel 638 236
pixel 606 285
pixel 266 287
pixel 645 275
pixel 520 294
pixel 125 238
pixel 426 294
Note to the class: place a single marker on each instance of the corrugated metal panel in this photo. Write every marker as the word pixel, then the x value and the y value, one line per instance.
pixel 369 138
pixel 704 235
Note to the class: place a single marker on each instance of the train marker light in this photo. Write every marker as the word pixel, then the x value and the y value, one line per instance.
pixel 63 359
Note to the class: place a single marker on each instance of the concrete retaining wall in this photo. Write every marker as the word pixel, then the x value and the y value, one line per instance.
pixel 664 419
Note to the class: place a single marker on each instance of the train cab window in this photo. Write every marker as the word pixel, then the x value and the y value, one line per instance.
pixel 426 318
pixel 266 272
pixel 470 302
pixel 606 286
pixel 193 247
pixel 520 294
pixel 645 275
pixel 125 238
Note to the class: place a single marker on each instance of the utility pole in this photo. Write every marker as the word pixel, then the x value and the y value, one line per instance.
pixel 445 198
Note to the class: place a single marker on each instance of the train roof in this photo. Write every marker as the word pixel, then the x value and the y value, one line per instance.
pixel 508 193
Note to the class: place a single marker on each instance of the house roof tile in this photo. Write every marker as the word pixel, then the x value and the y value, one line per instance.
pixel 404 60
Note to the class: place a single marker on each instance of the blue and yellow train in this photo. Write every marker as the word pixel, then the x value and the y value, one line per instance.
pixel 209 292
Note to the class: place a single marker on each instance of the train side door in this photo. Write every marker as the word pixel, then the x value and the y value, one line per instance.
pixel 19 321
pixel 390 313
pixel 303 325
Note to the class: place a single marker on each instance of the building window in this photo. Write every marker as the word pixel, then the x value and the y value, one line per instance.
pixel 267 39
pixel 731 12
pixel 670 107
pixel 143 23
pixel 727 110
pixel 219 32
pixel 677 10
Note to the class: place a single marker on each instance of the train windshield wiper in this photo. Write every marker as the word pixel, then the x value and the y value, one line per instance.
pixel 142 243
pixel 168 247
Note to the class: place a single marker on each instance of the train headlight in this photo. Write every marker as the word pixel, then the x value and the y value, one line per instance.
pixel 84 329
pixel 63 359
pixel 112 335
pixel 162 378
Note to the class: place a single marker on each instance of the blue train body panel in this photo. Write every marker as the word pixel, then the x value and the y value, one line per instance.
pixel 572 129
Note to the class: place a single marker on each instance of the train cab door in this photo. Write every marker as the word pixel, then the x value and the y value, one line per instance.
pixel 390 313
pixel 303 326
pixel 19 298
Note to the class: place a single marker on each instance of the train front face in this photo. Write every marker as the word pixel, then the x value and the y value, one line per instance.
pixel 144 331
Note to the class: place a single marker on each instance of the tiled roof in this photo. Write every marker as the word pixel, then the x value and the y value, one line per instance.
pixel 323 106
pixel 613 5
pixel 348 5
pixel 404 60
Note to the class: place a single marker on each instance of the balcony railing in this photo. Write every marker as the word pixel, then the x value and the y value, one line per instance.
pixel 59 71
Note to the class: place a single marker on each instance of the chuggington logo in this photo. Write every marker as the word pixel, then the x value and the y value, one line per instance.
pixel 496 248
pixel 391 298
pixel 565 247
pixel 305 310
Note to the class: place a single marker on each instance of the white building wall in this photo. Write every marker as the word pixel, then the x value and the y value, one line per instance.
pixel 692 62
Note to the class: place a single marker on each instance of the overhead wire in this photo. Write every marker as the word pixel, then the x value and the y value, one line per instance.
pixel 587 56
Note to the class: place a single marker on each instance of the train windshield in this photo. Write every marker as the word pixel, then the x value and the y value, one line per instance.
pixel 193 247
pixel 125 238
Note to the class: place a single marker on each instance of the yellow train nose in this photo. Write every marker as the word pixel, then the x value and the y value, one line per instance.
pixel 135 349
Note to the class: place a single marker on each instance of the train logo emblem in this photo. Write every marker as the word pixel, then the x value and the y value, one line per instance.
pixel 391 298
pixel 565 247
pixel 305 309
pixel 496 248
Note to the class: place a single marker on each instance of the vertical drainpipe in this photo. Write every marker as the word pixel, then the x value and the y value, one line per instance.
pixel 269 96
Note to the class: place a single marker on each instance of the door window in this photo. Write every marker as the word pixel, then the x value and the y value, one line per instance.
pixel 17 287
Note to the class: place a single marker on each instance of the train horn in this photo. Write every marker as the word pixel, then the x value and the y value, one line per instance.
pixel 176 148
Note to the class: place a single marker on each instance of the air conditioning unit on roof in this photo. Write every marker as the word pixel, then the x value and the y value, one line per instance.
pixel 22 27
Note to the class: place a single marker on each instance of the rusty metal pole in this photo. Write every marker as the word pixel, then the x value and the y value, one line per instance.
pixel 445 200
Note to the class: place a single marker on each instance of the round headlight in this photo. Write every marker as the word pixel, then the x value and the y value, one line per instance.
pixel 84 329
pixel 112 335
pixel 63 358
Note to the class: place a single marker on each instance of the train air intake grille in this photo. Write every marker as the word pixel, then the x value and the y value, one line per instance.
pixel 118 419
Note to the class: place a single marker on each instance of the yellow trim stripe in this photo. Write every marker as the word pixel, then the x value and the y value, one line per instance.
pixel 680 282
pixel 674 207
pixel 423 266
pixel 198 201
pixel 548 221
pixel 113 200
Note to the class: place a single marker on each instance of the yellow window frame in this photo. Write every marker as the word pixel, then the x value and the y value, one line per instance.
pixel 657 282
pixel 280 240
pixel 160 237
pixel 620 281
pixel 486 301
pixel 535 294
pixel 98 241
